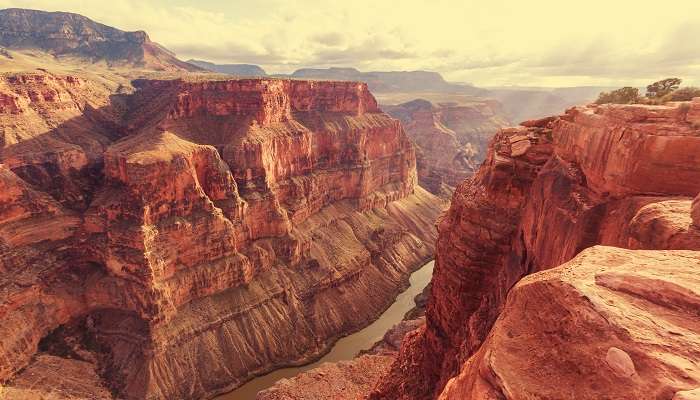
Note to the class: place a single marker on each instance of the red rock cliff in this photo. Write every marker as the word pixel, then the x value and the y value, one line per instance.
pixel 178 241
pixel 614 175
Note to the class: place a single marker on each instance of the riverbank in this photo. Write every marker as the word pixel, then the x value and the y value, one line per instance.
pixel 349 346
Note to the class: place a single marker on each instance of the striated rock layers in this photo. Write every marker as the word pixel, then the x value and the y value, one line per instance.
pixel 175 242
pixel 451 139
pixel 612 323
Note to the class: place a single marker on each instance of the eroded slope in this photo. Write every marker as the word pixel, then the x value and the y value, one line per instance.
pixel 614 175
pixel 196 233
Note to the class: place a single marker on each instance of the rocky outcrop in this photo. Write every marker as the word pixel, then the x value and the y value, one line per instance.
pixel 451 139
pixel 68 34
pixel 227 228
pixel 57 378
pixel 604 324
pixel 55 129
pixel 344 380
pixel 547 191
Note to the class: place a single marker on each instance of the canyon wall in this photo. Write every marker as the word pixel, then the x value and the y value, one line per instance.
pixel 178 241
pixel 451 139
pixel 611 323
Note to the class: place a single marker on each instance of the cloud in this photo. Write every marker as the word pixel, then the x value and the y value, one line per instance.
pixel 330 39
pixel 369 51
pixel 229 51
pixel 538 42
pixel 671 54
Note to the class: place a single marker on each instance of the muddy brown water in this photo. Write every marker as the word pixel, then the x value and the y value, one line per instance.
pixel 347 347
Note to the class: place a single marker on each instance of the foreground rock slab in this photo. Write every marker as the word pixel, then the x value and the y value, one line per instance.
pixel 616 323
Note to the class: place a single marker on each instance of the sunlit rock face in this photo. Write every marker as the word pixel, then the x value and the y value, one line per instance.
pixel 177 241
pixel 613 175
pixel 451 139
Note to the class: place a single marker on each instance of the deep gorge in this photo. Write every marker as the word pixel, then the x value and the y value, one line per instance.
pixel 236 224
pixel 194 230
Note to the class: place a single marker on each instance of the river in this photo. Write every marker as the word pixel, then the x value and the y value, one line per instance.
pixel 347 347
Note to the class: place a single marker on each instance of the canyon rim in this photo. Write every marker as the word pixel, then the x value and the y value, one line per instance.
pixel 387 211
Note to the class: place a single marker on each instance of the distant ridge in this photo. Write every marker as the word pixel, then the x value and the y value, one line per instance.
pixel 73 35
pixel 232 69
pixel 390 81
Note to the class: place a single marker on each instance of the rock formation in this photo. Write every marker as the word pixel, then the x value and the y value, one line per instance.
pixel 451 139
pixel 65 34
pixel 612 323
pixel 605 325
pixel 344 380
pixel 178 241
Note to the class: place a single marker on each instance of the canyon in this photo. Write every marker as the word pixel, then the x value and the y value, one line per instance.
pixel 171 233
pixel 338 374
pixel 395 87
pixel 451 138
pixel 569 257
pixel 178 240
pixel 549 190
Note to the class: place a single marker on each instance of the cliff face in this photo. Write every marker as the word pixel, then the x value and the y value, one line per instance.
pixel 68 34
pixel 619 176
pixel 55 129
pixel 180 240
pixel 451 139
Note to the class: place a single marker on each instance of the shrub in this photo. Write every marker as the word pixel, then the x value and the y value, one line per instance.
pixel 625 95
pixel 683 94
pixel 657 93
pixel 662 88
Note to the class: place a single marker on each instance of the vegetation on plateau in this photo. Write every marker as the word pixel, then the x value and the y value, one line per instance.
pixel 658 92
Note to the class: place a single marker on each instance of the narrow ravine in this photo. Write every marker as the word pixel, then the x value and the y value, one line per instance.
pixel 347 347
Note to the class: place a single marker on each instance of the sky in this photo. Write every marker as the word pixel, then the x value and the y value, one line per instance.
pixel 485 42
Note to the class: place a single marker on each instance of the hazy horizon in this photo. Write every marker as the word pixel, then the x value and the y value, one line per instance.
pixel 499 43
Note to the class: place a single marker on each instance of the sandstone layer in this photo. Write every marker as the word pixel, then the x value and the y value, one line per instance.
pixel 194 234
pixel 451 139
pixel 615 175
